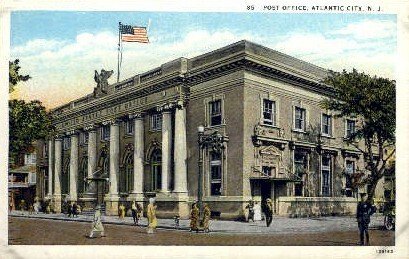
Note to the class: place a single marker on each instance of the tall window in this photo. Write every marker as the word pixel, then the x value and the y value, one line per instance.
pixel 105 132
pixel 129 127
pixel 156 121
pixel 350 128
pixel 45 150
pixel 105 169
pixel 82 174
pixel 215 174
pixel 215 115
pixel 299 118
pixel 300 166
pixel 83 138
pixel 269 112
pixel 65 178
pixel 326 175
pixel 156 170
pixel 66 143
pixel 349 172
pixel 126 177
pixel 326 124
pixel 267 170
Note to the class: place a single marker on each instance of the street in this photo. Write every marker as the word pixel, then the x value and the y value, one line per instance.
pixel 29 231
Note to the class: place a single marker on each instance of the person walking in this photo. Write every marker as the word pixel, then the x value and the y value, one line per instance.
pixel 194 218
pixel 97 227
pixel 74 209
pixel 151 214
pixel 363 214
pixel 121 212
pixel 269 211
pixel 134 210
pixel 206 217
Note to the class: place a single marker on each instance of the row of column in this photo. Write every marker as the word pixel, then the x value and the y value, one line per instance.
pixel 180 156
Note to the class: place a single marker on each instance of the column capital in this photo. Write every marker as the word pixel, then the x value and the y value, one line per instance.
pixel 136 115
pixel 58 137
pixel 166 107
pixel 181 104
pixel 113 121
pixel 71 133
pixel 89 127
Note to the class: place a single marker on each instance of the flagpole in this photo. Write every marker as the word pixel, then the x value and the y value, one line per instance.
pixel 119 49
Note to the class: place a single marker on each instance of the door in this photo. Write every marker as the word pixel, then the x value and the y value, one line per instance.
pixel 265 193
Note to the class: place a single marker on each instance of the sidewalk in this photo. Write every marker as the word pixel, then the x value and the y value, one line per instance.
pixel 280 225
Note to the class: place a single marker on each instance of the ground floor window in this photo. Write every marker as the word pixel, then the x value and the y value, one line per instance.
pixel 65 178
pixel 82 174
pixel 126 176
pixel 326 171
pixel 156 170
pixel 300 168
pixel 215 173
pixel 349 172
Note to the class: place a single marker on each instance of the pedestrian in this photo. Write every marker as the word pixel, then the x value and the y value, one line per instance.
pixel 134 210
pixel 206 217
pixel 97 227
pixel 70 209
pixel 151 214
pixel 364 211
pixel 74 209
pixel 121 211
pixel 268 210
pixel 194 218
pixel 22 205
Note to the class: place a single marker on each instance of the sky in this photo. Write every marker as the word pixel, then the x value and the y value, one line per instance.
pixel 60 50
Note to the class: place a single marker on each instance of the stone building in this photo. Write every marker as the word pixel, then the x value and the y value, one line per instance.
pixel 141 136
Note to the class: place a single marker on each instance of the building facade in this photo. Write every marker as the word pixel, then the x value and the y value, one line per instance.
pixel 138 139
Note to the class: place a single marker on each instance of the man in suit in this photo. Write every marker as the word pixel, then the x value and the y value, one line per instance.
pixel 363 215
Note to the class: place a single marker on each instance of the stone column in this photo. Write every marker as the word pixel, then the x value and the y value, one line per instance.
pixel 166 149
pixel 180 151
pixel 50 168
pixel 92 152
pixel 113 158
pixel 73 167
pixel 57 175
pixel 138 154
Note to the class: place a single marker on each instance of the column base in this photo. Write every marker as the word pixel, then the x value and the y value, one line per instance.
pixel 56 203
pixel 111 205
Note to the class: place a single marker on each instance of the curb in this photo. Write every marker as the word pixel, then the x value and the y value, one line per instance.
pixel 89 221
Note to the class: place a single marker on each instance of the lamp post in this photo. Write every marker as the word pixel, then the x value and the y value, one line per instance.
pixel 215 141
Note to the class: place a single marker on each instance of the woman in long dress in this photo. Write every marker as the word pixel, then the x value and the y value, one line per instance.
pixel 151 213
pixel 206 217
pixel 194 218
pixel 97 226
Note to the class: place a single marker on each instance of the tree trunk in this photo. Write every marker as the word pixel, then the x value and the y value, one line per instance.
pixel 371 191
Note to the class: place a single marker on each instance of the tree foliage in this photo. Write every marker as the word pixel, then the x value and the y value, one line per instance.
pixel 28 121
pixel 14 76
pixel 371 101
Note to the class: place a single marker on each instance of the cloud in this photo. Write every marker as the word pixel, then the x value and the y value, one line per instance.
pixel 368 29
pixel 62 71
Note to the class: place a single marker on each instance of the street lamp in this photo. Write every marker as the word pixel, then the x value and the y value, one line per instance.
pixel 215 141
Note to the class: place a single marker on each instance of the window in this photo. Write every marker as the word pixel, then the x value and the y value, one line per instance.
pixel 30 159
pixel 105 132
pixel 66 143
pixel 350 128
pixel 215 115
pixel 156 170
pixel 349 171
pixel 82 174
pixel 83 138
pixel 326 175
pixel 216 174
pixel 300 167
pixel 156 121
pixel 326 124
pixel 129 127
pixel 126 175
pixel 299 118
pixel 267 170
pixel 269 112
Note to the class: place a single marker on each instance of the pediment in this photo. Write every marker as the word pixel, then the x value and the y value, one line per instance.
pixel 270 151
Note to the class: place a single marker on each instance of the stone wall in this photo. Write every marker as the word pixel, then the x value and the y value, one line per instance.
pixel 316 206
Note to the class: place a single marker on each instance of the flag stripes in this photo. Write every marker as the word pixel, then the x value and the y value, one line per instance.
pixel 133 34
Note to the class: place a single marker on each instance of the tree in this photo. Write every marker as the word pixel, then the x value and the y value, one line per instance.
pixel 28 121
pixel 371 101
pixel 14 76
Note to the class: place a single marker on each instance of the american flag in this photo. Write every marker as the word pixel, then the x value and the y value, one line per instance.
pixel 130 33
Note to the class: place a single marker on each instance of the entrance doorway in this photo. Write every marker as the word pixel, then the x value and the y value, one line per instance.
pixel 265 191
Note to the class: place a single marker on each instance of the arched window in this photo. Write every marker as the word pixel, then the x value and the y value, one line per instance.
pixel 65 178
pixel 105 171
pixel 82 174
pixel 156 170
pixel 126 175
